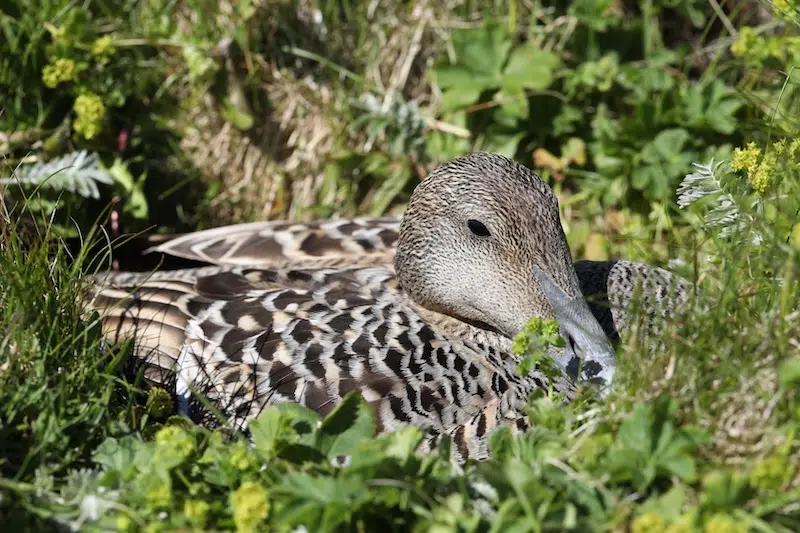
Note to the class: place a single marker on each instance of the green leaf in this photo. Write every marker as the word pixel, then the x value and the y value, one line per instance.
pixel 318 503
pixel 608 164
pixel 634 433
pixel 404 442
pixel 503 142
pixel 514 108
pixel 789 374
pixel 136 200
pixel 722 117
pixel 479 57
pixel 668 505
pixel 281 425
pixel 529 68
pixel 349 424
pixel 724 490
pixel 457 98
pixel 118 454
pixel 666 143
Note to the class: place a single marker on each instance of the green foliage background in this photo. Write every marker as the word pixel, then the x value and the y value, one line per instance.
pixel 183 114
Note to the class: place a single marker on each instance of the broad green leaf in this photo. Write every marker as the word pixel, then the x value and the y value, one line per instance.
pixel 404 442
pixel 668 505
pixel 641 177
pixel 722 117
pixel 502 141
pixel 681 466
pixel 725 490
pixel 634 433
pixel 529 68
pixel 789 374
pixel 350 423
pixel 514 108
pixel 136 201
pixel 608 164
pixel 665 145
pixel 479 57
pixel 118 454
pixel 318 503
pixel 283 424
pixel 457 98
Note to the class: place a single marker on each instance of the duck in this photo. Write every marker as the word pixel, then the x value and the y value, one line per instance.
pixel 416 314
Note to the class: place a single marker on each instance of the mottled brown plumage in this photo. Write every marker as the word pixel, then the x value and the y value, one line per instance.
pixel 428 346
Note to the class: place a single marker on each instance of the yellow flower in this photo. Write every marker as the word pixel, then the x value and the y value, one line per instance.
pixel 159 492
pixel 250 506
pixel 723 523
pixel 648 523
pixel 58 71
pixel 745 43
pixel 794 149
pixel 159 402
pixel 761 178
pixel 123 523
pixel 241 458
pixel 155 527
pixel 746 158
pixel 771 473
pixel 103 46
pixel 102 49
pixel 780 147
pixel 682 524
pixel 173 445
pixel 89 115
pixel 196 511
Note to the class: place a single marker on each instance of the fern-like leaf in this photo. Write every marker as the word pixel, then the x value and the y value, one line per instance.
pixel 77 172
pixel 724 213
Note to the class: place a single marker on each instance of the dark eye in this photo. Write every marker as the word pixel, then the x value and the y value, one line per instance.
pixel 477 227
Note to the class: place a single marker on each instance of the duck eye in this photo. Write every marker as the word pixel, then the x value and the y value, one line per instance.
pixel 477 227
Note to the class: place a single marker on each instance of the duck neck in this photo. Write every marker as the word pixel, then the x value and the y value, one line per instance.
pixel 457 329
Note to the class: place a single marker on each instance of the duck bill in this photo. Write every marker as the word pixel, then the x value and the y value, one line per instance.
pixel 588 355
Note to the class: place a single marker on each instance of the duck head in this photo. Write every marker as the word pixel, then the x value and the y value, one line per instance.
pixel 481 241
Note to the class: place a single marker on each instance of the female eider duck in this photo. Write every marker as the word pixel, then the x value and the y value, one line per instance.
pixel 309 313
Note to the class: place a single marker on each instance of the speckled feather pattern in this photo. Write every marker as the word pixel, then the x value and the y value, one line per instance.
pixel 309 312
pixel 248 337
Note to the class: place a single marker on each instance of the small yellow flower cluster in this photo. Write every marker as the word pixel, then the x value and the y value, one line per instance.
pixel 250 506
pixel 682 524
pixel 652 522
pixel 196 511
pixel 159 402
pixel 59 70
pixel 175 441
pixel 536 328
pixel 755 48
pixel 102 49
pixel 746 42
pixel 771 473
pixel 648 523
pixel 241 457
pixel 762 168
pixel 724 523
pixel 90 113
pixel 159 492
pixel 746 158
pixel 124 523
